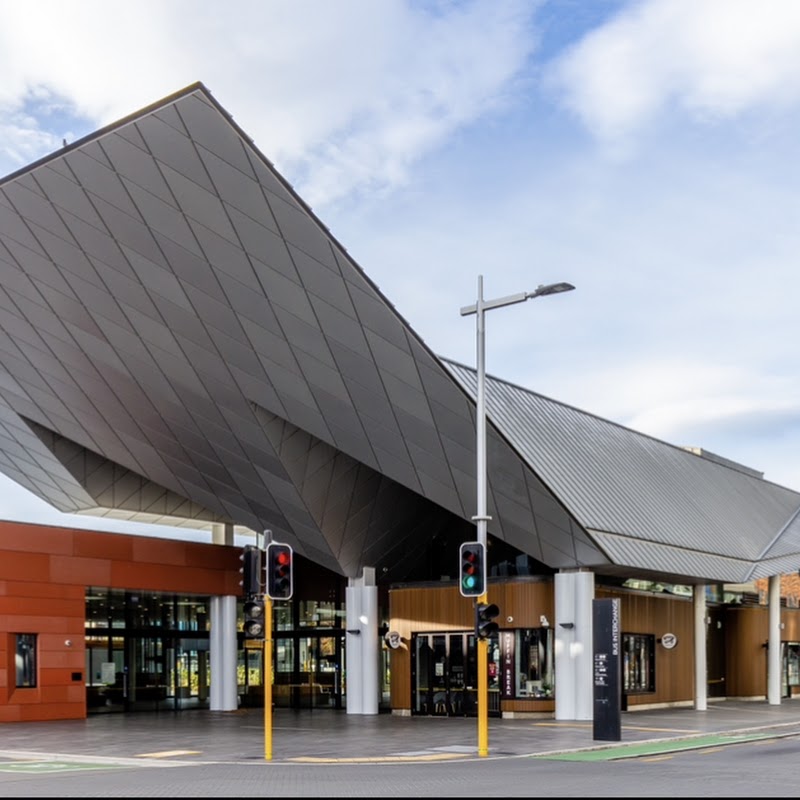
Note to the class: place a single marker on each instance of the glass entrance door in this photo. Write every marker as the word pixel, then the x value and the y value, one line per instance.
pixel 188 666
pixel 444 675
pixel 308 671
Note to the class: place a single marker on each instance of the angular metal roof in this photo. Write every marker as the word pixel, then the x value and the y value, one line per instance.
pixel 647 504
pixel 181 336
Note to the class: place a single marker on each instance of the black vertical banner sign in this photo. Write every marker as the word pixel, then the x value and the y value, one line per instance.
pixel 607 673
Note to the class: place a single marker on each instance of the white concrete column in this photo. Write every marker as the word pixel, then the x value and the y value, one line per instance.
pixel 362 656
pixel 774 642
pixel 574 593
pixel 222 533
pixel 224 689
pixel 700 648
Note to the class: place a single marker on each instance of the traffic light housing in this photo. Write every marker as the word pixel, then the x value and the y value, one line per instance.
pixel 254 618
pixel 250 570
pixel 472 569
pixel 280 568
pixel 485 626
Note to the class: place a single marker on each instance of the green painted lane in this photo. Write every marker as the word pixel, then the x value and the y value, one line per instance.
pixel 641 749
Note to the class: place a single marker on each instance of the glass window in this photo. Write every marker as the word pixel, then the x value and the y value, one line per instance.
pixel 534 663
pixel 638 662
pixel 318 614
pixel 792 653
pixel 25 660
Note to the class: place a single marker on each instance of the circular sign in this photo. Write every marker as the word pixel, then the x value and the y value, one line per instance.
pixel 669 640
pixel 393 639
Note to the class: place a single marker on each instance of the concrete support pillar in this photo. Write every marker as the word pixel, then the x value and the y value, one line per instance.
pixel 224 690
pixel 574 593
pixel 700 648
pixel 222 533
pixel 774 642
pixel 362 656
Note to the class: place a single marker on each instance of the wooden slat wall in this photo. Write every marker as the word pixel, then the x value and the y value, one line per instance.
pixel 747 629
pixel 442 608
pixel 658 614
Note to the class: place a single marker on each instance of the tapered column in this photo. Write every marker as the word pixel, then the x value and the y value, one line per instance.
pixel 223 695
pixel 774 642
pixel 574 593
pixel 700 648
pixel 363 654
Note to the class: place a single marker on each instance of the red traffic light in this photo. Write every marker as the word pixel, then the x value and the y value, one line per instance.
pixel 280 583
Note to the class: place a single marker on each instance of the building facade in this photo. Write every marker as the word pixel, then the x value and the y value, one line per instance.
pixel 182 340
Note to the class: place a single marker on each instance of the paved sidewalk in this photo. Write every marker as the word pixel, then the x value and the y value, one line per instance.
pixel 325 736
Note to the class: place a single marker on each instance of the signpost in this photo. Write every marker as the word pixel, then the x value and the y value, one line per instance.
pixel 607 677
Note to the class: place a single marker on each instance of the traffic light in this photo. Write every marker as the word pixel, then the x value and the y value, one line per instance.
pixel 485 626
pixel 250 570
pixel 254 618
pixel 472 569
pixel 280 583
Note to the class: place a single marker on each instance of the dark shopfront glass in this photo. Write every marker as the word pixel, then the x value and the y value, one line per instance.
pixel 146 651
pixel 444 670
pixel 444 674
pixel 638 663
pixel 25 661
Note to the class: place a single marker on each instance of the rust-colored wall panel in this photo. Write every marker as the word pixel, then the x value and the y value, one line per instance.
pixel 15 565
pixel 56 591
pixel 81 571
pixel 29 538
pixel 159 551
pixel 213 557
pixel 103 545
pixel 33 605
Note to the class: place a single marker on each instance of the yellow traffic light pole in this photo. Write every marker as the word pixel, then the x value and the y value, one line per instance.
pixel 483 686
pixel 267 679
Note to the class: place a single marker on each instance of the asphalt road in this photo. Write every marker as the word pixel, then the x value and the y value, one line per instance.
pixel 762 768
pixel 733 749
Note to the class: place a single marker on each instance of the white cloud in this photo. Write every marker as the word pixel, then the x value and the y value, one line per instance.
pixel 713 58
pixel 346 94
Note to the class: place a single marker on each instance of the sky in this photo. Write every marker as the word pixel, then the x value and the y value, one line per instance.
pixel 646 151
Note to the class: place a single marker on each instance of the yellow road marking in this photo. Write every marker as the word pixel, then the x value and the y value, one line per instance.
pixel 356 759
pixel 657 758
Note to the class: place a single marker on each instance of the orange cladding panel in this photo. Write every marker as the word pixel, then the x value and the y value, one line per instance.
pixel 117 547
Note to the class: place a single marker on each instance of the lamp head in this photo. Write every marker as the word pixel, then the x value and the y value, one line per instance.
pixel 551 288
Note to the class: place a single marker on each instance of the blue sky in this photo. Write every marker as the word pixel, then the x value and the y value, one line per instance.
pixel 645 151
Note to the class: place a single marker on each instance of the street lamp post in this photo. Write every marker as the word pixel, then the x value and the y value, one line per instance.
pixel 481 518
